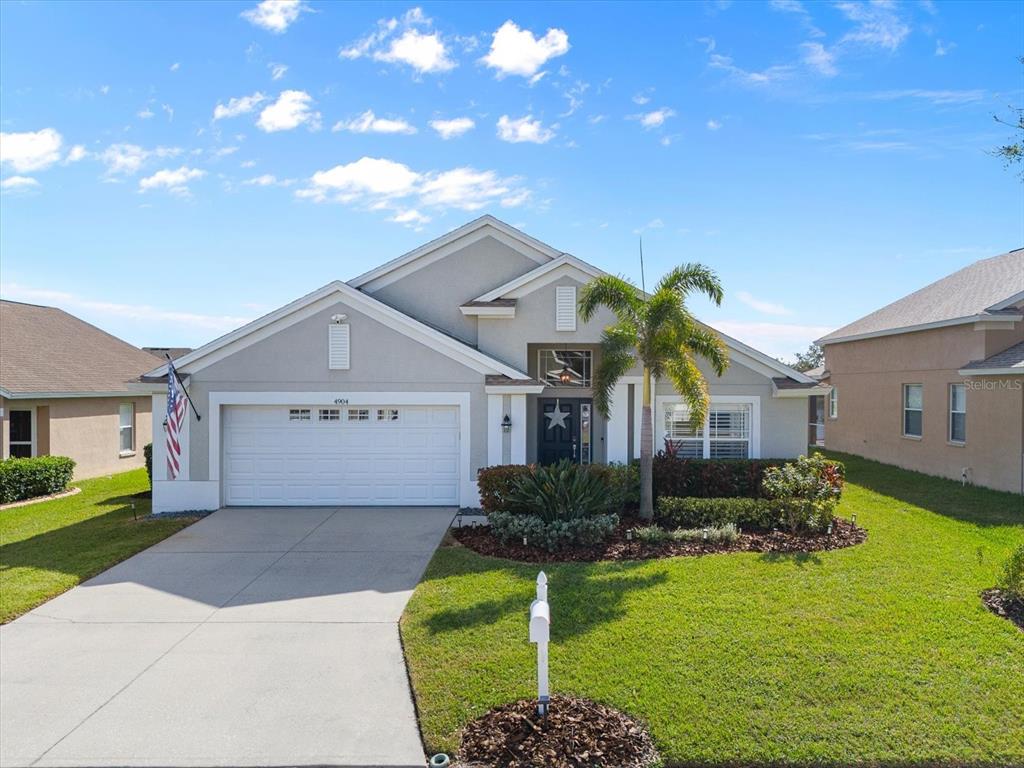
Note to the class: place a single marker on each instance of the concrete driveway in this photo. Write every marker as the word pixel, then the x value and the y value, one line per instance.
pixel 255 637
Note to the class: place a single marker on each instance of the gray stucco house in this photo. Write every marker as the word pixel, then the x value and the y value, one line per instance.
pixel 396 387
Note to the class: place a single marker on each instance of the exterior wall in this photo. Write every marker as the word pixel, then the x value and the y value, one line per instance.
pixel 869 376
pixel 85 429
pixel 434 293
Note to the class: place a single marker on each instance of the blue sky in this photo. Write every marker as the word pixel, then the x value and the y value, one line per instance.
pixel 170 170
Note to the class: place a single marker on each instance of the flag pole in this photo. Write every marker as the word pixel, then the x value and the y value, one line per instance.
pixel 172 369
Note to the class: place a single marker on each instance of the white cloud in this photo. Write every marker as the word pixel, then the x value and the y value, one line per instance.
pixel 141 312
pixel 238 106
pixel 144 114
pixel 168 110
pixel 652 224
pixel 31 150
pixel 268 180
pixel 878 25
pixel 643 97
pixel 292 109
pixel 766 307
pixel 939 98
pixel 128 159
pixel 763 77
pixel 941 48
pixel 277 71
pixel 370 123
pixel 516 51
pixel 401 42
pixel 819 58
pixel 775 339
pixel 523 129
pixel 175 66
pixel 382 184
pixel 595 119
pixel 275 15
pixel 247 164
pixel 174 181
pixel 713 125
pixel 450 129
pixel 411 217
pixel 655 118
pixel 796 7
pixel 18 183
pixel 76 153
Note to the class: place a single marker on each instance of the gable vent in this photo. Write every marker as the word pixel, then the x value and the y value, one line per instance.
pixel 565 308
pixel 338 347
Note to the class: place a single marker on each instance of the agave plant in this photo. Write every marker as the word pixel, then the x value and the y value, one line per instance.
pixel 562 491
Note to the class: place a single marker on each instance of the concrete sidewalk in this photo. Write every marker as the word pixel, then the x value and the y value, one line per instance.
pixel 256 637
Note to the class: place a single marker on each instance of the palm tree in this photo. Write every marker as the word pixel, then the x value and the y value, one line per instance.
pixel 658 331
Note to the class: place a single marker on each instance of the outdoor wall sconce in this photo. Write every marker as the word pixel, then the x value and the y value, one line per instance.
pixel 565 375
pixel 506 424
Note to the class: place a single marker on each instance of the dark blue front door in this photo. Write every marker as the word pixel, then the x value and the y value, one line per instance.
pixel 558 430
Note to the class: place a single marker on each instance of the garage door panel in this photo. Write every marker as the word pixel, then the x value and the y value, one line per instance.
pixel 399 455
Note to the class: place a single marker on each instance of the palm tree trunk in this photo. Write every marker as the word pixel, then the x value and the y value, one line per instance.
pixel 646 452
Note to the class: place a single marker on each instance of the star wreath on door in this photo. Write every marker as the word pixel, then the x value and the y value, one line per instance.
pixel 556 417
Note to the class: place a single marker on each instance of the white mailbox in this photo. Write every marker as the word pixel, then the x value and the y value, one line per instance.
pixel 540 633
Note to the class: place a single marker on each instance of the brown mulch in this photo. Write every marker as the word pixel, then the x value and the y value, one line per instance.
pixel 576 732
pixel 1005 605
pixel 618 547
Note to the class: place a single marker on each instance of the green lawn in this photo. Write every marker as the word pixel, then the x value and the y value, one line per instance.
pixel 877 654
pixel 49 547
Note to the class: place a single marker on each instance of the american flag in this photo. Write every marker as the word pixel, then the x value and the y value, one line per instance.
pixel 175 418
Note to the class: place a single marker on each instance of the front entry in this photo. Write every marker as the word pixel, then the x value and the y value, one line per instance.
pixel 563 431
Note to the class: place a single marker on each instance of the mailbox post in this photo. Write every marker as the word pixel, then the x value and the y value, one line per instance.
pixel 540 633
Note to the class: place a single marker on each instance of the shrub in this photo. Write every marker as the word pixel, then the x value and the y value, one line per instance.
pixel 655 534
pixel 553 535
pixel 701 513
pixel 623 482
pixel 805 492
pixel 27 478
pixel 562 491
pixel 709 478
pixel 147 451
pixel 496 483
pixel 1012 579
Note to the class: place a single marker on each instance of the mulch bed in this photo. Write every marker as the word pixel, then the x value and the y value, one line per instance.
pixel 1007 606
pixel 576 732
pixel 618 547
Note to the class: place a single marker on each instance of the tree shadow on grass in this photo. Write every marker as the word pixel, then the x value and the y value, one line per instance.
pixel 598 598
pixel 970 503
pixel 800 559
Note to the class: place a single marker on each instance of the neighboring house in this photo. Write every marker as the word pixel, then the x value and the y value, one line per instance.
pixel 65 391
pixel 396 387
pixel 935 381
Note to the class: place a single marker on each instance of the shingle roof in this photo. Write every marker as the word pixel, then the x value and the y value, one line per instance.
pixel 1008 358
pixel 46 350
pixel 971 291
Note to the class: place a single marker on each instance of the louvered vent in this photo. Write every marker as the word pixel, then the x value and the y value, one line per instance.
pixel 565 308
pixel 338 347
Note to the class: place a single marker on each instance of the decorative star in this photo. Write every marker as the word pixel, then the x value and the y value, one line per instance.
pixel 556 417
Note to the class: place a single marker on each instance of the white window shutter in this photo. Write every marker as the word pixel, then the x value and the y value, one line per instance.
pixel 565 308
pixel 338 347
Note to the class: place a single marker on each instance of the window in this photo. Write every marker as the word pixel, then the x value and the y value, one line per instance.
pixel 686 436
pixel 552 362
pixel 833 403
pixel 338 346
pixel 126 427
pixel 387 414
pixel 729 424
pixel 913 409
pixel 21 434
pixel 957 413
pixel 358 414
pixel 565 308
pixel 298 414
pixel 330 414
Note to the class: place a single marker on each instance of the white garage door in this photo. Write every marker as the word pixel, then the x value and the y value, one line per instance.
pixel 345 455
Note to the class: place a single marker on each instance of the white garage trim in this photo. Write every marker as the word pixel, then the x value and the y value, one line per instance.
pixel 468 494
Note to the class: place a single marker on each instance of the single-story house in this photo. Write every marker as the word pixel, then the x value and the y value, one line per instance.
pixel 934 382
pixel 65 390
pixel 395 387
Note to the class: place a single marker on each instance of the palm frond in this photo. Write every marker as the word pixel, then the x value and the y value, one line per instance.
pixel 618 343
pixel 688 381
pixel 688 278
pixel 709 345
pixel 616 293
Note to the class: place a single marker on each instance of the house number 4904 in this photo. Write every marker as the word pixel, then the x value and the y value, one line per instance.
pixel 341 401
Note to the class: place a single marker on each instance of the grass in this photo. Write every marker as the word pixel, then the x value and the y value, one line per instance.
pixel 49 547
pixel 880 654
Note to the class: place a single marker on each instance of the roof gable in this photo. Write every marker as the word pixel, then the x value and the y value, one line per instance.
pixel 457 239
pixel 565 264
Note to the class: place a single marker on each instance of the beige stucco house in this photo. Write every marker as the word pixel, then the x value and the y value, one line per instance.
pixel 65 391
pixel 934 382
pixel 396 387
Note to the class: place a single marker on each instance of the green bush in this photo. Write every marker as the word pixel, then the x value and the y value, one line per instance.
pixel 496 483
pixel 147 451
pixel 27 478
pixel 1012 579
pixel 655 534
pixel 709 478
pixel 562 491
pixel 806 492
pixel 510 527
pixel 673 512
pixel 623 481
